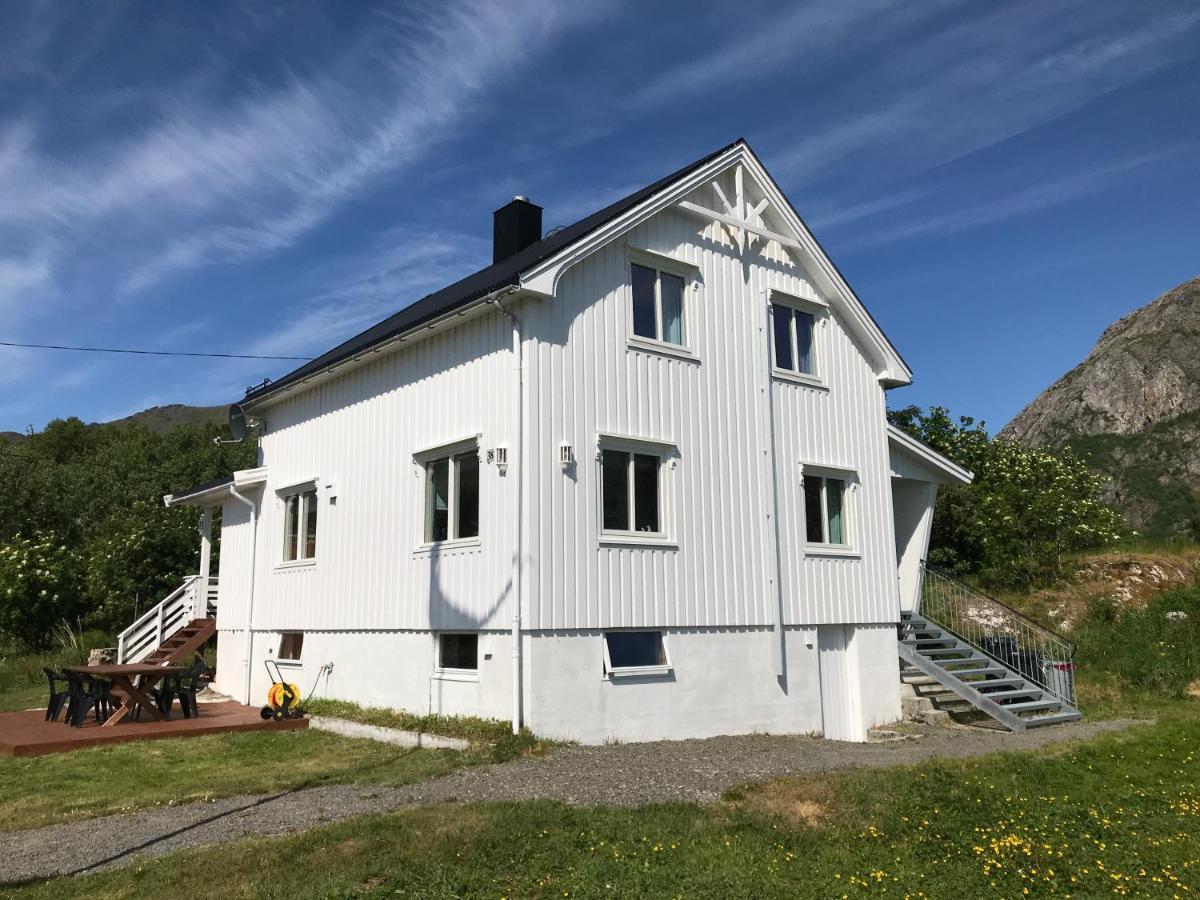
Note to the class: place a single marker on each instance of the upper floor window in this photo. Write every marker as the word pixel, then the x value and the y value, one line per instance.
pixel 631 493
pixel 825 510
pixel 452 497
pixel 657 304
pixel 300 525
pixel 792 331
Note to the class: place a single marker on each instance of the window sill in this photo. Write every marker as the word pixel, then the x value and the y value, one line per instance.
pixel 799 378
pixel 661 348
pixel 296 564
pixel 290 663
pixel 442 546
pixel 633 539
pixel 831 550
pixel 639 672
pixel 464 676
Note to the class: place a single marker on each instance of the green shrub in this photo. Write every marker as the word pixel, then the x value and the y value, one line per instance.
pixel 1025 516
pixel 39 587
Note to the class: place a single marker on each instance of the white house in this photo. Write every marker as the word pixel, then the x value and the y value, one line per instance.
pixel 632 481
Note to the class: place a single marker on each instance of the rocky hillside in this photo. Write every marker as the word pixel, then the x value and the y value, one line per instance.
pixel 164 418
pixel 1132 408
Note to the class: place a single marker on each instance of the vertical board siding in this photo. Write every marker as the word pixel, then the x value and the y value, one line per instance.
pixel 356 434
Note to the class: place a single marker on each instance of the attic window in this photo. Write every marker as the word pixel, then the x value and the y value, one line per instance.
pixel 792 338
pixel 657 304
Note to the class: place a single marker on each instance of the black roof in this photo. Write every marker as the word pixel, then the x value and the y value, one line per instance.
pixel 461 293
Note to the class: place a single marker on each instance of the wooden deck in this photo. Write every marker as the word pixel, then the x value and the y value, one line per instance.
pixel 28 734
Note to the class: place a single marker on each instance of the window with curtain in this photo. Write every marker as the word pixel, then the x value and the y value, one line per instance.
pixel 631 496
pixel 300 525
pixel 792 330
pixel 657 304
pixel 824 510
pixel 452 497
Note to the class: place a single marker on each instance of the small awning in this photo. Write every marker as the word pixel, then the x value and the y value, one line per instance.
pixel 909 458
pixel 213 492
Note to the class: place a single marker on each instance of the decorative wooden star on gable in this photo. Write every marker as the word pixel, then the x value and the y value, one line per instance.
pixel 744 221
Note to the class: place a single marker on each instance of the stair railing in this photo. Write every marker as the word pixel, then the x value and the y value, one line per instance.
pixel 1039 654
pixel 147 633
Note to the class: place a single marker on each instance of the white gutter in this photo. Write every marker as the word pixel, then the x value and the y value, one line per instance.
pixel 253 577
pixel 519 467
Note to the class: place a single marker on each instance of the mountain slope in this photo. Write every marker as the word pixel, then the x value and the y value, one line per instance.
pixel 164 418
pixel 1132 408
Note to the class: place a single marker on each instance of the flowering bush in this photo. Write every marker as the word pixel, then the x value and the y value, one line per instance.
pixel 1024 516
pixel 39 587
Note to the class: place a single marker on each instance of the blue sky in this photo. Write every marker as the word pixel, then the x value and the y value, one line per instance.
pixel 998 181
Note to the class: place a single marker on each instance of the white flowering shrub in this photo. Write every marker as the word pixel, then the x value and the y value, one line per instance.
pixel 1026 515
pixel 39 587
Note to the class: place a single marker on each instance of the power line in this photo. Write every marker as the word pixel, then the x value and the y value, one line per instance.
pixel 149 352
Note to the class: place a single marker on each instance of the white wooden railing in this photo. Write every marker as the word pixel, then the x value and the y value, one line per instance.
pixel 155 625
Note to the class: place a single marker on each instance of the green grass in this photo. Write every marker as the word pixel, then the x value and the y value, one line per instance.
pixel 1120 814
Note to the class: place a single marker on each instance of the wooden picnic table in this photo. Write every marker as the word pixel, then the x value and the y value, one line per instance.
pixel 129 693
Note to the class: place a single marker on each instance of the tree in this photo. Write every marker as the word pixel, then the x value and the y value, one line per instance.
pixel 1027 512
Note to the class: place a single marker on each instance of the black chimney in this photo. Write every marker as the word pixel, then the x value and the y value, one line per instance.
pixel 515 226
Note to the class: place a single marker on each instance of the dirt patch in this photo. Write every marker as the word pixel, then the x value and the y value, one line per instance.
pixel 798 801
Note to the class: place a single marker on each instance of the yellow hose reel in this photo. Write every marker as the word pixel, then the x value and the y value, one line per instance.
pixel 277 696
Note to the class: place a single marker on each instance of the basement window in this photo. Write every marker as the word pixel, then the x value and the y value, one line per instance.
pixel 452 497
pixel 657 304
pixel 300 525
pixel 635 653
pixel 458 653
pixel 825 511
pixel 291 645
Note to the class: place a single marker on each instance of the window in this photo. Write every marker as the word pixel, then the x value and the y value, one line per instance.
pixel 792 330
pixel 300 526
pixel 459 652
pixel 629 484
pixel 657 304
pixel 452 497
pixel 635 652
pixel 291 645
pixel 824 510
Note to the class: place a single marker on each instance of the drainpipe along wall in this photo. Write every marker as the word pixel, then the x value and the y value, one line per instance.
pixel 253 578
pixel 518 463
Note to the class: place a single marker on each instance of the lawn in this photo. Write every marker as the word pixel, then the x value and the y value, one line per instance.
pixel 1119 815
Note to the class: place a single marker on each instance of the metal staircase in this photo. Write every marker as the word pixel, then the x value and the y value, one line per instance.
pixel 1018 672
pixel 175 628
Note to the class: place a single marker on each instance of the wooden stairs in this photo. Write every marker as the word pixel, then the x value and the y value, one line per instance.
pixel 185 642
pixel 1009 696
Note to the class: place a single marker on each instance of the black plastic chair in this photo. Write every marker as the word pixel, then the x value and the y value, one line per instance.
pixel 58 695
pixel 184 687
pixel 84 697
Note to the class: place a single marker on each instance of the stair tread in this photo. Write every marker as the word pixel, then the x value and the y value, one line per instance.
pixel 1034 704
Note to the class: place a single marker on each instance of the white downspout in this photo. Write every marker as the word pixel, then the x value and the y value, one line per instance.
pixel 253 578
pixel 519 466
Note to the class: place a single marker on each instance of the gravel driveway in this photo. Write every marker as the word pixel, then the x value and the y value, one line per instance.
pixel 614 775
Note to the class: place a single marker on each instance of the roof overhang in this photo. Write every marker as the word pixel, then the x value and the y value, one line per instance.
pixel 213 492
pixel 912 459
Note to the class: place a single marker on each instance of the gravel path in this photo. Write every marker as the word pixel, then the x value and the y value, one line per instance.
pixel 615 775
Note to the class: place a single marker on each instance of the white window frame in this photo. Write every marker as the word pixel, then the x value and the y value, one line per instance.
pixel 611 671
pixel 424 458
pixel 849 480
pixel 662 264
pixel 667 454
pixel 819 312
pixel 448 673
pixel 308 495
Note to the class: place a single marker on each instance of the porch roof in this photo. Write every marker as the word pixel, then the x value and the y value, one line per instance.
pixel 904 448
pixel 211 492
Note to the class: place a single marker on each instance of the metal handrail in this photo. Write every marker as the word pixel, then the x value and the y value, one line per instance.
pixel 997 630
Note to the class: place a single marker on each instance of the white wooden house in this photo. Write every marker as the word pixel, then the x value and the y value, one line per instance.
pixel 632 481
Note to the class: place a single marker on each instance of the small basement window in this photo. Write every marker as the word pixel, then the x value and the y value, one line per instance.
pixel 792 333
pixel 300 525
pixel 635 653
pixel 631 493
pixel 458 652
pixel 825 510
pixel 657 304
pixel 291 645
pixel 452 497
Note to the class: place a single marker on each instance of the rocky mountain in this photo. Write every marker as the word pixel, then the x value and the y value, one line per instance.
pixel 164 418
pixel 1132 408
